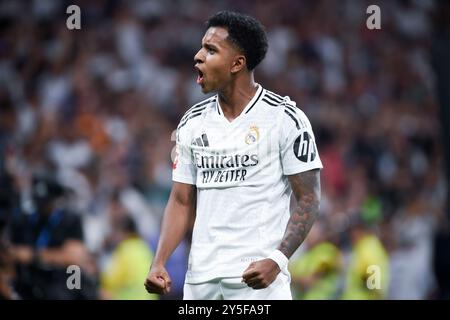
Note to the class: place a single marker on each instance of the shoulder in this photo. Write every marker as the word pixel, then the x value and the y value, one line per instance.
pixel 196 111
pixel 287 109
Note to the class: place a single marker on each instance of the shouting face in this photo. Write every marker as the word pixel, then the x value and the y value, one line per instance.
pixel 217 60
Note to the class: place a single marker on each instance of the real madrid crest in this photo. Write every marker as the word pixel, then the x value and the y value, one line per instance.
pixel 252 136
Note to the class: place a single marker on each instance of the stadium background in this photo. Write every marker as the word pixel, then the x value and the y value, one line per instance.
pixel 97 108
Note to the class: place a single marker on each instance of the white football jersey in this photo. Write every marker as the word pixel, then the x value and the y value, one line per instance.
pixel 240 170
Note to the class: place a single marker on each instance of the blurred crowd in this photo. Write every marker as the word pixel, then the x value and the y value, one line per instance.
pixel 92 113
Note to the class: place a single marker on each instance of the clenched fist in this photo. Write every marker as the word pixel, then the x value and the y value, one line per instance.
pixel 158 280
pixel 261 274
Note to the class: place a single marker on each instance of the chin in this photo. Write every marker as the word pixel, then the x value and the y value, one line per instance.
pixel 206 90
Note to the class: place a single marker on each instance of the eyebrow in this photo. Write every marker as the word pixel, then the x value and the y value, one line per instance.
pixel 210 46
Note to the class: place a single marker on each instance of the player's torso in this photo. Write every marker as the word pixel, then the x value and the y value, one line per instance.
pixel 242 152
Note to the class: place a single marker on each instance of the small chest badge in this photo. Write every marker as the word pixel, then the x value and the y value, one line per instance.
pixel 252 136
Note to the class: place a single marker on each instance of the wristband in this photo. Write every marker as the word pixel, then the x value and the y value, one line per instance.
pixel 280 259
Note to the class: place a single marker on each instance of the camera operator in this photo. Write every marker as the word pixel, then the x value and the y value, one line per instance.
pixel 46 242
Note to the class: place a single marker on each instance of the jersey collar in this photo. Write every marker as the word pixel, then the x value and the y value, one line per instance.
pixel 248 107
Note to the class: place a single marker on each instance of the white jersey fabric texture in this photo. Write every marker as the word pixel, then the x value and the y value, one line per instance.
pixel 240 170
pixel 235 289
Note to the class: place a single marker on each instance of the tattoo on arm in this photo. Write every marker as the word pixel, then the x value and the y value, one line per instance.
pixel 306 189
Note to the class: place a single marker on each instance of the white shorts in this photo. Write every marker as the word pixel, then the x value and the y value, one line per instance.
pixel 234 289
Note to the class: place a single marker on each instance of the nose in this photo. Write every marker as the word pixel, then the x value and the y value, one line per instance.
pixel 199 57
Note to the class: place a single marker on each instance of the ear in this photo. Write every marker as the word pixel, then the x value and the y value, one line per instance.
pixel 239 63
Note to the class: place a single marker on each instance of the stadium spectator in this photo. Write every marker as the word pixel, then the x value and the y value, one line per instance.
pixel 316 272
pixel 45 243
pixel 122 277
pixel 367 270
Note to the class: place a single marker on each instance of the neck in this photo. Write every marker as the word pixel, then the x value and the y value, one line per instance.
pixel 237 95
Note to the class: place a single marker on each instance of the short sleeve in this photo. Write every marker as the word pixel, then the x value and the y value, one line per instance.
pixel 69 228
pixel 298 149
pixel 183 168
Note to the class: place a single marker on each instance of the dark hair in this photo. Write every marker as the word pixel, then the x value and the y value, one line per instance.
pixel 45 187
pixel 127 224
pixel 245 32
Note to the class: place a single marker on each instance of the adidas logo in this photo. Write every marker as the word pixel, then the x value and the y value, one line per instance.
pixel 201 141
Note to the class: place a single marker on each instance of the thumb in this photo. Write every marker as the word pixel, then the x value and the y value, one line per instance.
pixel 247 272
pixel 161 281
pixel 250 266
pixel 166 284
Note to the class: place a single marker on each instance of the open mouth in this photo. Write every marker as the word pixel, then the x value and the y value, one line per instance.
pixel 199 76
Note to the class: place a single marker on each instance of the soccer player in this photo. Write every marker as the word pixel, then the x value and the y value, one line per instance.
pixel 241 154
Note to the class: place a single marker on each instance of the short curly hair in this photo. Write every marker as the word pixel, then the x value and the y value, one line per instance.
pixel 247 33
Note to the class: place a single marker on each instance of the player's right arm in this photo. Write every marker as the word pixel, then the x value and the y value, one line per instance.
pixel 179 214
pixel 178 217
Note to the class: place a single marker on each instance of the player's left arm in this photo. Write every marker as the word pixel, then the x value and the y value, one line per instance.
pixel 306 189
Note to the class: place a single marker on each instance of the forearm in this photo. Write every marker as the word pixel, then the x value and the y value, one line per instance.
pixel 72 252
pixel 306 189
pixel 177 220
pixel 54 257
